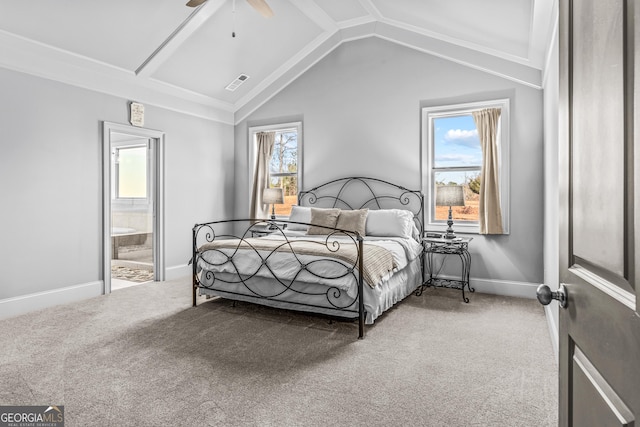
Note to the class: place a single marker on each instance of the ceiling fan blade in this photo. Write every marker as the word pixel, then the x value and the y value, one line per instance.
pixel 262 7
pixel 195 3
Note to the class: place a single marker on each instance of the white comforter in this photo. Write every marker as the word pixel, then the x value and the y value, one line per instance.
pixel 287 268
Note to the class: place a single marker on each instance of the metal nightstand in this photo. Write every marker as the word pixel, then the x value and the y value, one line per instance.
pixel 459 247
pixel 262 230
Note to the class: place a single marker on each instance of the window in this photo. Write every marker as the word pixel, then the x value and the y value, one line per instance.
pixel 130 171
pixel 285 167
pixel 452 155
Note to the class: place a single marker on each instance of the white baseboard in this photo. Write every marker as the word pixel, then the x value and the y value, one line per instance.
pixel 22 304
pixel 505 287
pixel 508 288
pixel 15 306
pixel 25 303
pixel 177 272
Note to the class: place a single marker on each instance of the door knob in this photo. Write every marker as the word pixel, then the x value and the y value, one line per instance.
pixel 545 295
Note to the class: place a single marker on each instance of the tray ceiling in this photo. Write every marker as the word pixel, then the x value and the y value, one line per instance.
pixel 164 53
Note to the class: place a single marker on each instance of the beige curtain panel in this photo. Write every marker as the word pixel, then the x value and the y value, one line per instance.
pixel 490 211
pixel 266 141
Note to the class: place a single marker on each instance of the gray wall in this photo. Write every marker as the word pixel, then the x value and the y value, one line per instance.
pixel 360 108
pixel 51 181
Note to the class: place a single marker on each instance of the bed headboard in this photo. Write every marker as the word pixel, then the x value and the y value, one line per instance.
pixel 362 192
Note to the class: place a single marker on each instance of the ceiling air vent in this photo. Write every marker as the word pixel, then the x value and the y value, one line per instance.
pixel 237 82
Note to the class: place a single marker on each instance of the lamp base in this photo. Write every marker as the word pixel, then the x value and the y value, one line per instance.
pixel 273 226
pixel 449 234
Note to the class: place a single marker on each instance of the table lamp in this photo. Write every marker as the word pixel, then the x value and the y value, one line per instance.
pixel 450 195
pixel 272 196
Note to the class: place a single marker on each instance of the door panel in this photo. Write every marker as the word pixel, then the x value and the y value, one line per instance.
pixel 607 408
pixel 600 328
pixel 598 117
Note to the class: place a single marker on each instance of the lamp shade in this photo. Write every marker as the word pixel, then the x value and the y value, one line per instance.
pixel 272 196
pixel 450 195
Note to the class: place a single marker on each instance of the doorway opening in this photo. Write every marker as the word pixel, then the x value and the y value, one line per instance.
pixel 133 250
pixel 131 210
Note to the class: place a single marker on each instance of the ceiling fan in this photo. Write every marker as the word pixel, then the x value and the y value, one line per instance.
pixel 260 5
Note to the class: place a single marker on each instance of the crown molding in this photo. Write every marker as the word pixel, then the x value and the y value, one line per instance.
pixel 325 44
pixel 489 63
pixel 45 61
pixel 457 42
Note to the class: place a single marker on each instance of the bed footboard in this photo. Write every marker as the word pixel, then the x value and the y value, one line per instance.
pixel 323 274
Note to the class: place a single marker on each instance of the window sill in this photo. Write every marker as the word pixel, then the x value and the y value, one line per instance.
pixel 460 229
pixel 457 228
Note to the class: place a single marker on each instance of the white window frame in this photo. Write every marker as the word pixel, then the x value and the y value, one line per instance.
pixel 253 145
pixel 428 175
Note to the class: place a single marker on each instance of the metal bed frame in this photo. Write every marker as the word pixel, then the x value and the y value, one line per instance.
pixel 344 193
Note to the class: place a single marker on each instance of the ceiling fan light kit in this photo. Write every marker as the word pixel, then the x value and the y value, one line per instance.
pixel 195 3
pixel 260 5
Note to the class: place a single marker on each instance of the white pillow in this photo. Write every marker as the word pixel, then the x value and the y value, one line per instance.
pixel 299 214
pixel 390 223
pixel 415 233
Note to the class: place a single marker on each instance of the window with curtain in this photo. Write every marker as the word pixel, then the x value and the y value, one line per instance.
pixel 459 148
pixel 285 164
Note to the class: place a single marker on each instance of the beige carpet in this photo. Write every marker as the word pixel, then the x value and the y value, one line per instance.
pixel 143 356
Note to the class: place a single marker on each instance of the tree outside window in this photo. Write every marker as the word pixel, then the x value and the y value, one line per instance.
pixel 285 165
pixel 283 168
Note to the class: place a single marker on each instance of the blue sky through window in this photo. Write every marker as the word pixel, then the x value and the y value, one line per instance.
pixel 456 142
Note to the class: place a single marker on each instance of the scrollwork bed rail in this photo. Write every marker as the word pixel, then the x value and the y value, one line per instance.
pixel 361 192
pixel 220 258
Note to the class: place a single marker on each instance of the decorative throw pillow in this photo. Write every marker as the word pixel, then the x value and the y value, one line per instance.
pixel 323 217
pixel 299 214
pixel 354 221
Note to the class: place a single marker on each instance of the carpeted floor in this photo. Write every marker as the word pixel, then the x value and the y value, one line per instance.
pixel 143 356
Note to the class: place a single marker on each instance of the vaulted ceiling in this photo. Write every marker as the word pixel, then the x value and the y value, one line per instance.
pixel 164 53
